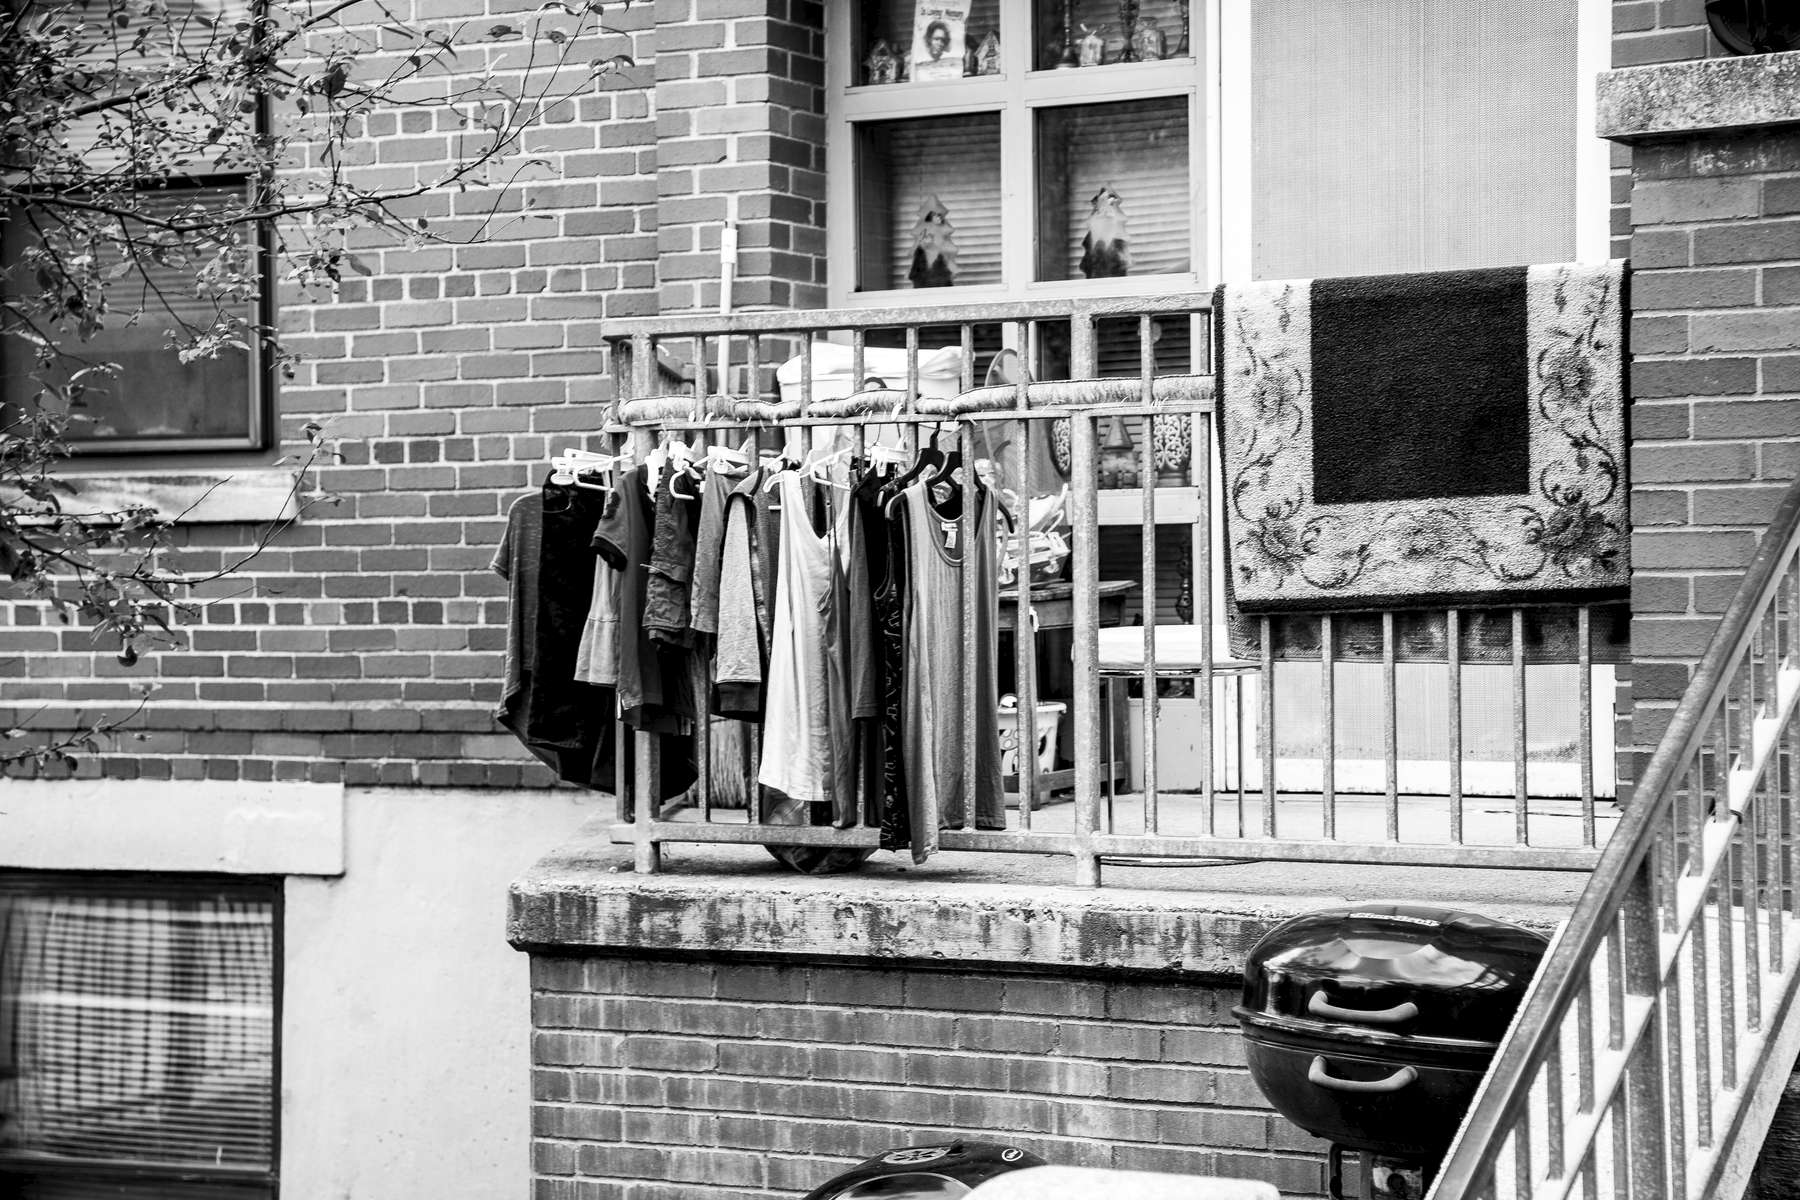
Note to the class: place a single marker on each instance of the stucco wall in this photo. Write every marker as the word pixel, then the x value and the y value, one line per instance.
pixel 405 1030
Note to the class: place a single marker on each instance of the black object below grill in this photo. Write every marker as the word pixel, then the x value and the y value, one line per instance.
pixel 1372 1025
pixel 936 1172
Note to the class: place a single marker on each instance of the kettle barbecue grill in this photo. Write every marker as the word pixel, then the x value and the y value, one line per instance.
pixel 1372 1025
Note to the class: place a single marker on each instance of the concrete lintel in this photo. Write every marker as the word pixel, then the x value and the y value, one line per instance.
pixel 235 828
pixel 1711 95
pixel 582 898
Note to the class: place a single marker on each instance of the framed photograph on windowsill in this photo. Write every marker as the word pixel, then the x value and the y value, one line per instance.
pixel 938 49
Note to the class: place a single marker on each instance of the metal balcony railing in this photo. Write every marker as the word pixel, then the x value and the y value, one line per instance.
pixel 1661 1028
pixel 1382 744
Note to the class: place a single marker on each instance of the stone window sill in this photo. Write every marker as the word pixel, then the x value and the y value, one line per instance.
pixel 1712 95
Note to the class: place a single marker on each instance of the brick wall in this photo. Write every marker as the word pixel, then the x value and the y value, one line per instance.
pixel 366 642
pixel 677 1079
pixel 1715 421
pixel 1654 31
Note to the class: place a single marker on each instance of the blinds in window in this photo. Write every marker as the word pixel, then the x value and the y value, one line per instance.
pixel 1407 135
pixel 1139 149
pixel 183 33
pixel 904 163
pixel 141 1021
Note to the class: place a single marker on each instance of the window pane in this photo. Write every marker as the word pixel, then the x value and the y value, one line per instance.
pixel 1101 34
pixel 928 202
pixel 139 1017
pixel 154 399
pixel 920 51
pixel 1403 135
pixel 1113 190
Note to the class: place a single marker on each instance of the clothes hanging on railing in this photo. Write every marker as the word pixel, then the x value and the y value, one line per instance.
pixel 824 607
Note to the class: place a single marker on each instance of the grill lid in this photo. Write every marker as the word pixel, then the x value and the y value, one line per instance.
pixel 1407 969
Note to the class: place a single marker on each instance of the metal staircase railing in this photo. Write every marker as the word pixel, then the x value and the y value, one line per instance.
pixel 1649 1056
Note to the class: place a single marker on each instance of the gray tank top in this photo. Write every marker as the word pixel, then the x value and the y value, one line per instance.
pixel 933 729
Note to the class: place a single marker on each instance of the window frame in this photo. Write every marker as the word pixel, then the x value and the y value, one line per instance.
pixel 1218 81
pixel 228 1181
pixel 259 400
pixel 1016 93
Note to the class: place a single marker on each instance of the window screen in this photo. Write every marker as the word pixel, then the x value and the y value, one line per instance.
pixel 1406 135
pixel 137 1036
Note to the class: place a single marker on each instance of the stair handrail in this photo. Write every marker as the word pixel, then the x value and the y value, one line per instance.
pixel 1500 1109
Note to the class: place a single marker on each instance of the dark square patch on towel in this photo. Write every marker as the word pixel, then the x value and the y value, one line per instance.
pixel 1447 346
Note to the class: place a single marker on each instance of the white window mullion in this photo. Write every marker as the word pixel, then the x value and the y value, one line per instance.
pixel 1228 29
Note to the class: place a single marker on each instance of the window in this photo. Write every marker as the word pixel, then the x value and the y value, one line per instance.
pixel 146 399
pixel 990 168
pixel 137 1036
pixel 1165 145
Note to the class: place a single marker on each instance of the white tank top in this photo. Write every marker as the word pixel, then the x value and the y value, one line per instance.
pixel 806 715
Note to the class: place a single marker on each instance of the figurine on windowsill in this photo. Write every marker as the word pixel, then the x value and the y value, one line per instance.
pixel 1106 250
pixel 882 65
pixel 987 55
pixel 1092 46
pixel 934 246
pixel 1147 41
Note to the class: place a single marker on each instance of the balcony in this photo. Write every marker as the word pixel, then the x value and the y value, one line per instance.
pixel 1436 737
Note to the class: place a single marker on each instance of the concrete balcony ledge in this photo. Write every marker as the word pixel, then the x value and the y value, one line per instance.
pixel 1713 95
pixel 969 909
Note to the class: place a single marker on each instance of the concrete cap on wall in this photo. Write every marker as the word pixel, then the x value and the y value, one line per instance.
pixel 1083 1183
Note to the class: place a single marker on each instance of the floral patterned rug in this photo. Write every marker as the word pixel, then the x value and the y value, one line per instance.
pixel 1407 441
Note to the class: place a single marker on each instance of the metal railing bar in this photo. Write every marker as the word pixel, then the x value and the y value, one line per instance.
pixel 1084 502
pixel 1727 948
pixel 1309 850
pixel 1200 472
pixel 1554 1104
pixel 1390 726
pixel 912 360
pixel 1265 730
pixel 1328 726
pixel 1025 639
pixel 1644 1092
pixel 1673 1073
pixel 1147 568
pixel 1750 847
pixel 1584 716
pixel 1521 787
pixel 1453 717
pixel 1703 1071
pixel 1584 1048
pixel 978 710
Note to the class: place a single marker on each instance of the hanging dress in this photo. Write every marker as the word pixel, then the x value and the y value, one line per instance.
pixel 806 752
pixel 934 731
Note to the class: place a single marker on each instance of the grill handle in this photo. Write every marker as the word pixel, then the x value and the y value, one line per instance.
pixel 1319 1006
pixel 1393 1083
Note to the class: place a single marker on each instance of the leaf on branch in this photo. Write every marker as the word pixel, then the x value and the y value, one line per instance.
pixel 503 31
pixel 333 81
pixel 617 62
pixel 359 266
